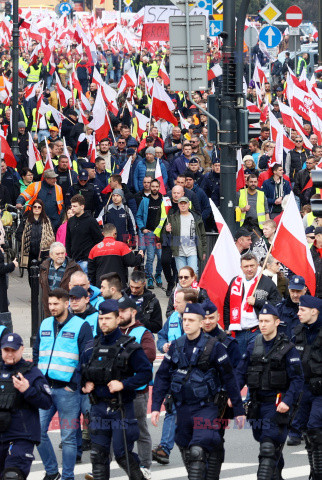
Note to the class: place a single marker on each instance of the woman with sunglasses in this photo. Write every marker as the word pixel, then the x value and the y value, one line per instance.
pixel 35 234
pixel 187 279
pixel 273 271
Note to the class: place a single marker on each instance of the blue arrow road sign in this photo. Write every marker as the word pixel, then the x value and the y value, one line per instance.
pixel 215 28
pixel 128 9
pixel 270 36
pixel 65 8
pixel 206 5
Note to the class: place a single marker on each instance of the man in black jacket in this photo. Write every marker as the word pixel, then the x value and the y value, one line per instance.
pixel 148 306
pixel 316 250
pixel 90 191
pixel 173 144
pixel 243 302
pixel 83 232
pixel 296 158
pixel 301 181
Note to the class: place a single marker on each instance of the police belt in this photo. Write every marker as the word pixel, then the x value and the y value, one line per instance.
pixel 266 398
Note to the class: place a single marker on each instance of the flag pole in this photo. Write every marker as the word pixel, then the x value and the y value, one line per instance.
pixel 111 129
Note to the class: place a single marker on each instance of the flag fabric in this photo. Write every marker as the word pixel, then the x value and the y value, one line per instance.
pixel 158 176
pixel 100 123
pixel 240 177
pixel 6 152
pixel 218 273
pixel 290 231
pixel 308 185
pixel 164 74
pixel 30 91
pixel 49 163
pixel 214 72
pixel 33 153
pixel 70 165
pixel 91 154
pixel 162 105
pixel 63 93
pixel 125 172
pixel 219 219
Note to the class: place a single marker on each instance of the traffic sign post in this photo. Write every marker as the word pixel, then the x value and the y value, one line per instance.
pixel 270 13
pixel 215 28
pixel 294 16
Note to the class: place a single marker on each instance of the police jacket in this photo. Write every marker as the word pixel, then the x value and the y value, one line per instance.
pixel 11 180
pixel 148 310
pixel 194 371
pixel 271 367
pixel 91 193
pixel 288 311
pixel 211 186
pixel 317 260
pixel 308 342
pixel 133 369
pixel 20 410
pixel 58 348
pixel 229 343
pixel 266 292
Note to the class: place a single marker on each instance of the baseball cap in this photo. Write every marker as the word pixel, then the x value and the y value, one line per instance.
pixel 242 232
pixel 55 129
pixel 12 340
pixel 78 292
pixel 184 199
pixel 297 283
pixel 126 302
pixel 50 173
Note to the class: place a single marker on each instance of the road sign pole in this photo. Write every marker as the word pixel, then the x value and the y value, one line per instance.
pixel 295 48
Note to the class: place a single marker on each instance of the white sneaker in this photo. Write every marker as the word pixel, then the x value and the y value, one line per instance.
pixel 146 473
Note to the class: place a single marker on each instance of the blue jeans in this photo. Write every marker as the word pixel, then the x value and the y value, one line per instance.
pixel 168 431
pixel 191 261
pixel 85 408
pixel 49 81
pixel 149 245
pixel 67 404
pixel 244 337
pixel 83 264
pixel 109 76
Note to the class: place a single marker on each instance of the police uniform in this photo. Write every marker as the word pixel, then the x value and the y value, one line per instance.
pixel 273 373
pixel 110 357
pixel 288 310
pixel 308 342
pixel 193 371
pixel 19 414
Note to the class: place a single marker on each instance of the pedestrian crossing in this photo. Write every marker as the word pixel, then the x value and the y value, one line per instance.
pixel 230 471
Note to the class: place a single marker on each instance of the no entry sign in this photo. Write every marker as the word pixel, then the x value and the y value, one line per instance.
pixel 294 16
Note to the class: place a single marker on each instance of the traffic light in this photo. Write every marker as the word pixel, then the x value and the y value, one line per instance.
pixel 7 9
pixel 316 203
pixel 248 126
pixel 213 108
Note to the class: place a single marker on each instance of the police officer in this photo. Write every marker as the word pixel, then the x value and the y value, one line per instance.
pixel 192 370
pixel 210 326
pixel 113 367
pixel 272 370
pixel 23 390
pixel 308 342
pixel 289 306
pixel 58 346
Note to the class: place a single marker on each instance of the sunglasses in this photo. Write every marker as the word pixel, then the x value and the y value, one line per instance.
pixel 184 277
pixel 298 141
pixel 37 206
pixel 312 237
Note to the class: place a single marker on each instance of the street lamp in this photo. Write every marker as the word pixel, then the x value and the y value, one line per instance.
pixel 15 71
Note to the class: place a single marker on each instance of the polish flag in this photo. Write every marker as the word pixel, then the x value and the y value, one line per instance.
pixel 76 83
pixel 301 131
pixel 164 74
pixel 308 185
pixel 34 55
pixel 30 91
pixel 214 72
pixel 252 107
pixel 125 172
pixel 49 163
pixel 167 204
pixel 70 164
pixel 81 116
pixel 288 114
pixel 240 177
pixel 91 154
pixel 317 126
pixel 302 102
pixel 6 152
pixel 218 273
pixel 142 121
pixel 259 75
pixel 64 94
pixel 158 176
pixel 33 153
pixel 80 139
pixel 162 105
pixel 101 122
pixel 21 72
pixel 130 77
pixel 84 103
pixel 219 219
pixel 290 231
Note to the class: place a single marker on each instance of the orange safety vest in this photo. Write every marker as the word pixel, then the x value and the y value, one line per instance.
pixel 31 194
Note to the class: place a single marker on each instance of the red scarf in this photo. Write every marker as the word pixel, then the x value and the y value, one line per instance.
pixel 236 299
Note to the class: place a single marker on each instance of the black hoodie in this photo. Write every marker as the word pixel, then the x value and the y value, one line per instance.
pixel 83 233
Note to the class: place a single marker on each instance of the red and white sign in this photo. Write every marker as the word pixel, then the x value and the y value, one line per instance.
pixel 294 16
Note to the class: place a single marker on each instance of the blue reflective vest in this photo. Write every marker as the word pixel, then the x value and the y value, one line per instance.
pixel 92 319
pixel 58 357
pixel 175 329
pixel 190 383
pixel 138 333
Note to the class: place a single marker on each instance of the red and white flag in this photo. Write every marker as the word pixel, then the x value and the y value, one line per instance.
pixel 240 177
pixel 6 152
pixel 290 231
pixel 214 72
pixel 80 140
pixel 30 91
pixel 218 273
pixel 164 74
pixel 158 176
pixel 259 75
pixel 219 219
pixel 142 121
pixel 22 72
pixel 162 105
pixel 125 172
pixel 49 163
pixel 33 153
pixel 63 93
pixel 101 122
pixel 70 164
pixel 91 154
